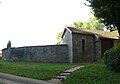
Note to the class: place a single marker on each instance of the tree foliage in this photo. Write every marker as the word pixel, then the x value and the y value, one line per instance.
pixel 60 41
pixel 112 58
pixel 93 23
pixel 108 11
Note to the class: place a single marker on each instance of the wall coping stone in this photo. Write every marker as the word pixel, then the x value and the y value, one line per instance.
pixel 35 46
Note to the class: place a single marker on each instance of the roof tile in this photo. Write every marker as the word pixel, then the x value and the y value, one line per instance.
pixel 101 34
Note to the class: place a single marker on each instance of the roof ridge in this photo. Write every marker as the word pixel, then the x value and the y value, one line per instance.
pixel 102 34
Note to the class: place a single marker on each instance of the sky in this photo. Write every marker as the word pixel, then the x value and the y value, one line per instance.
pixel 38 22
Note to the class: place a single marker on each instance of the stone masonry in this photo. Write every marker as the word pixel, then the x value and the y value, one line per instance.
pixel 47 54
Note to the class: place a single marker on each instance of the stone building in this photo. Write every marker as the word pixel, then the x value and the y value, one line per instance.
pixel 88 45
pixel 80 45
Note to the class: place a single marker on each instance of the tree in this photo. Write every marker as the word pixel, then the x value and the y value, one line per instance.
pixel 108 12
pixel 93 23
pixel 77 24
pixel 60 41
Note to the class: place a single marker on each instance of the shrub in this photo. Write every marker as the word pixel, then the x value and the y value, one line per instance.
pixel 112 58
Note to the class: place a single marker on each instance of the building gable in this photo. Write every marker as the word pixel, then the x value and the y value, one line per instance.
pixel 98 33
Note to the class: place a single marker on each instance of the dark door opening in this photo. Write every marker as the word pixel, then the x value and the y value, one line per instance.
pixel 105 45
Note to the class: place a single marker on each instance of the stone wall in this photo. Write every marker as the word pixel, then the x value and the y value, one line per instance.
pixel 67 39
pixel 98 52
pixel 86 55
pixel 47 54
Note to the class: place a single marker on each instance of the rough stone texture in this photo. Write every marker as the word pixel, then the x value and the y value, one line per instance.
pixel 73 69
pixel 92 50
pixel 47 54
pixel 98 52
pixel 78 54
pixel 72 52
pixel 67 39
pixel 94 46
pixel 60 77
pixel 64 74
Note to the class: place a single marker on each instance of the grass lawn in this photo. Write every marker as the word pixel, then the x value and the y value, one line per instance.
pixel 93 74
pixel 33 70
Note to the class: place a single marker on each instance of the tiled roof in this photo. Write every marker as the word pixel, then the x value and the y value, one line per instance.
pixel 101 34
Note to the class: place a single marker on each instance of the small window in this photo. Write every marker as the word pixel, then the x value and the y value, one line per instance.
pixel 83 45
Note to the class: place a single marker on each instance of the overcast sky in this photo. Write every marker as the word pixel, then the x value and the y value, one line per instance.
pixel 38 22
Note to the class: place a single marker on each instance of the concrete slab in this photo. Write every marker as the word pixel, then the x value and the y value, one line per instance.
pixel 60 77
pixel 64 74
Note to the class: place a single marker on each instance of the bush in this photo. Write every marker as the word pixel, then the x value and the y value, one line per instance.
pixel 112 58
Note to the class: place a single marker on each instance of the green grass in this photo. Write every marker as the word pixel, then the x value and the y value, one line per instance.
pixel 33 70
pixel 93 74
